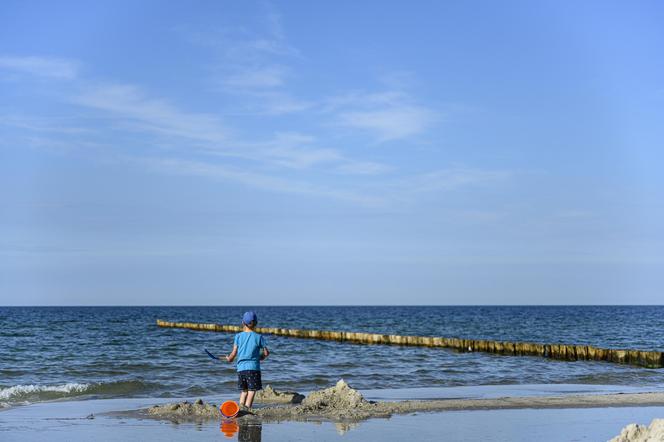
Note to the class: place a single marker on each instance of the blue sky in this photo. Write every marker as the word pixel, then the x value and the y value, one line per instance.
pixel 369 152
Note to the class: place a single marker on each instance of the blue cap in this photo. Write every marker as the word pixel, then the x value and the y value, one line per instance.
pixel 249 317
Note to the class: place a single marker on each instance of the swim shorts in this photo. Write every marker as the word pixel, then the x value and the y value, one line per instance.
pixel 249 380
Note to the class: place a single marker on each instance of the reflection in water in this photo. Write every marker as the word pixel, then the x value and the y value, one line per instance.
pixel 345 427
pixel 229 427
pixel 246 432
pixel 252 432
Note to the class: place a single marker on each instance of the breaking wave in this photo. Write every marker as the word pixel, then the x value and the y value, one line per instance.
pixel 38 393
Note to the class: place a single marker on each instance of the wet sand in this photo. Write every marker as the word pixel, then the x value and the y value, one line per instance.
pixel 67 421
pixel 341 403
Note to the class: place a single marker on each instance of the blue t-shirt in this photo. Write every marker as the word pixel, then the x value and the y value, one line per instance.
pixel 249 349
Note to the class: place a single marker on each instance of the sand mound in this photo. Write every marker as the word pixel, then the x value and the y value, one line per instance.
pixel 185 410
pixel 269 395
pixel 341 396
pixel 641 433
pixel 338 403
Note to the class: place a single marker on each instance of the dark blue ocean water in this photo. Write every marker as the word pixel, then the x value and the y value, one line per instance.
pixel 91 352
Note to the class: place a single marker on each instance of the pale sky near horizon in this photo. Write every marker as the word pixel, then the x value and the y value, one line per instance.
pixel 253 153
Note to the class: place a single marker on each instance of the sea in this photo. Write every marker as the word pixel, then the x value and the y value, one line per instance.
pixel 78 353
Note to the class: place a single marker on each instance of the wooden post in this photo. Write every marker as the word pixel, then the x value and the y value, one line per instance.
pixel 648 359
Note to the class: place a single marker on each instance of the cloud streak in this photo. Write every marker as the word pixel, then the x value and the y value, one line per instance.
pixel 42 125
pixel 387 116
pixel 379 194
pixel 153 115
pixel 256 78
pixel 451 179
pixel 256 180
pixel 49 67
pixel 205 138
pixel 389 124
pixel 256 72
pixel 209 135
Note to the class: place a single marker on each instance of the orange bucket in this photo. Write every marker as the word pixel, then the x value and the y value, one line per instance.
pixel 229 409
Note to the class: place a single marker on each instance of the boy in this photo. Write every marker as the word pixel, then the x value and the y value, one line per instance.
pixel 250 349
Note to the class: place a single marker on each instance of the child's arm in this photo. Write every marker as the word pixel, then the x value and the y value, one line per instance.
pixel 265 354
pixel 231 356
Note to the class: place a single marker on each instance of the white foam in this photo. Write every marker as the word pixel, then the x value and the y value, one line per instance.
pixel 21 390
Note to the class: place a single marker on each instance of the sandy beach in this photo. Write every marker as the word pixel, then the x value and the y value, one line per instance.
pixel 342 403
pixel 545 413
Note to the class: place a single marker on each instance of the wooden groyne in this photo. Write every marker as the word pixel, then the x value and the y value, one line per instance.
pixel 563 352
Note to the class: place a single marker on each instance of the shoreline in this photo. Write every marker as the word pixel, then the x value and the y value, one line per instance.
pixel 341 403
pixel 464 394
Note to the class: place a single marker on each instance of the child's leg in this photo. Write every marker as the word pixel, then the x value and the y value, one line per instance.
pixel 254 383
pixel 250 398
pixel 243 397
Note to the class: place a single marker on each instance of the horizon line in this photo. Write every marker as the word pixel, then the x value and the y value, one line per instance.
pixel 335 305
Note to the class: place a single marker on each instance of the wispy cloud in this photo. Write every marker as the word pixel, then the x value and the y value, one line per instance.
pixel 377 194
pixel 255 71
pixel 209 135
pixel 279 103
pixel 271 102
pixel 300 151
pixel 255 65
pixel 205 137
pixel 256 180
pixel 42 125
pixel 258 66
pixel 449 179
pixel 57 145
pixel 57 68
pixel 130 104
pixel 260 78
pixel 363 168
pixel 389 124
pixel 388 115
pixel 296 150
